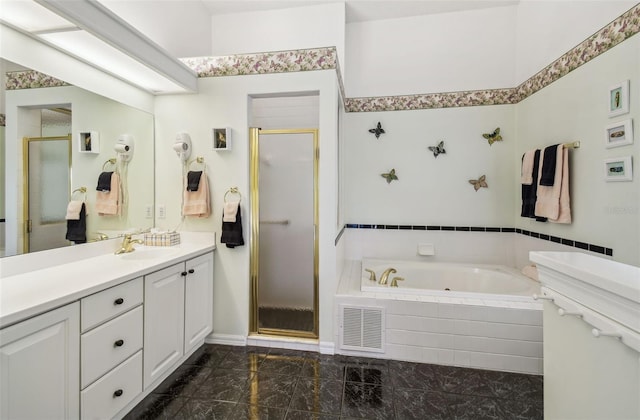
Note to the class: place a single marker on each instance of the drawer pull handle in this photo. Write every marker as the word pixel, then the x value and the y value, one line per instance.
pixel 183 274
pixel 118 301
pixel 118 343
pixel 191 271
pixel 118 393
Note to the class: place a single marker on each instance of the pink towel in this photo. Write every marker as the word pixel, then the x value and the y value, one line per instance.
pixel 526 174
pixel 196 203
pixel 230 211
pixel 553 201
pixel 108 202
pixel 73 210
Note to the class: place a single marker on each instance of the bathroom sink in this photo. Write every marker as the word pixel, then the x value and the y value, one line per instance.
pixel 150 253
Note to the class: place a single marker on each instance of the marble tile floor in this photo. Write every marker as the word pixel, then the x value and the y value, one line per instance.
pixel 224 382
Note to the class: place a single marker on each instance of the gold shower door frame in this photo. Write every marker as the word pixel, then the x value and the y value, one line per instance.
pixel 25 183
pixel 254 163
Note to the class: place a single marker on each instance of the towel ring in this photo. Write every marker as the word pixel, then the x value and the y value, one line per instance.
pixel 232 190
pixel 81 190
pixel 198 159
pixel 111 161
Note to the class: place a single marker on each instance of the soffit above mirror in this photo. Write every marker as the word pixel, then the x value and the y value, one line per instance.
pixel 90 32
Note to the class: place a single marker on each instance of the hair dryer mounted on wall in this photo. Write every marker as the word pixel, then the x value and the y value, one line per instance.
pixel 124 147
pixel 182 146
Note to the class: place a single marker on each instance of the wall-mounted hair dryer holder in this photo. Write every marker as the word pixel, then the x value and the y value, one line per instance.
pixel 182 146
pixel 124 147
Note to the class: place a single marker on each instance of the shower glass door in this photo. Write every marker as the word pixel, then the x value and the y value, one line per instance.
pixel 284 231
pixel 47 183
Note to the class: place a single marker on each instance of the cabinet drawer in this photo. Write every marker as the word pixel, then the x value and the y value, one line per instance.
pixel 109 344
pixel 109 303
pixel 107 396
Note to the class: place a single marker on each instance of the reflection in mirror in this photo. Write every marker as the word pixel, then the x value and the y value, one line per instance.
pixel 29 113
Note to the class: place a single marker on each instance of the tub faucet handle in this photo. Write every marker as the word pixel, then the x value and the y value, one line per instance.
pixel 385 275
pixel 372 274
pixel 395 280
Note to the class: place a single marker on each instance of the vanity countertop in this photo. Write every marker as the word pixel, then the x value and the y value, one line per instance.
pixel 31 293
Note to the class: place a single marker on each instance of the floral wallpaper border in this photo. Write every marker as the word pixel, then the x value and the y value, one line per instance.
pixel 31 79
pixel 263 63
pixel 622 28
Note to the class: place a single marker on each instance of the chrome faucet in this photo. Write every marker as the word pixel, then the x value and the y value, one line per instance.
pixel 127 244
pixel 385 275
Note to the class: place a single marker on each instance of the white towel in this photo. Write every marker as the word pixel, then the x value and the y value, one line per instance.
pixel 73 210
pixel 230 211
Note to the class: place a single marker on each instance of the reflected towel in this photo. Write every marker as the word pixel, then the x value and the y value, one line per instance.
pixel 104 181
pixel 108 202
pixel 196 203
pixel 553 201
pixel 526 174
pixel 230 210
pixel 73 210
pixel 77 229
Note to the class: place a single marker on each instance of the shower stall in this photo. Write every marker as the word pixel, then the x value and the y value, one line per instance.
pixel 284 235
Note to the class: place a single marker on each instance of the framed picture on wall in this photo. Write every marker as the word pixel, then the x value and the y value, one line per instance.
pixel 222 139
pixel 89 142
pixel 619 134
pixel 618 169
pixel 618 99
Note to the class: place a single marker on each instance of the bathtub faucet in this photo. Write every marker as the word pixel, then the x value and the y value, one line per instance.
pixel 385 275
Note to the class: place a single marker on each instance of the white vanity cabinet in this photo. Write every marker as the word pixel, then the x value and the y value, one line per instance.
pixel 111 349
pixel 177 313
pixel 39 366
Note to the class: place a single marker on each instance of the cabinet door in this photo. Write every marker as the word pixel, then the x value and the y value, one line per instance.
pixel 163 321
pixel 198 308
pixel 40 366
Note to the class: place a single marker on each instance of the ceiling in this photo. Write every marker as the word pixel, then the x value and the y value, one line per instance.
pixel 360 10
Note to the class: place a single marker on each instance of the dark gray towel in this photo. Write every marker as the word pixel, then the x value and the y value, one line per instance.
pixel 232 232
pixel 193 180
pixel 548 175
pixel 530 192
pixel 104 181
pixel 77 229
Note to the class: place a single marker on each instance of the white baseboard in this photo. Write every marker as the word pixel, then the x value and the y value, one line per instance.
pixel 327 347
pixel 227 339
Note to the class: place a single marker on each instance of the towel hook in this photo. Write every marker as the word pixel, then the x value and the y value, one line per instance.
pixel 232 190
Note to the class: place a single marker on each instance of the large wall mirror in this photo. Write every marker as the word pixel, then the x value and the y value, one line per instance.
pixel 39 113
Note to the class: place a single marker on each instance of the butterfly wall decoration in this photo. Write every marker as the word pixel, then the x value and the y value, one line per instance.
pixel 378 130
pixel 438 149
pixel 493 137
pixel 479 183
pixel 390 176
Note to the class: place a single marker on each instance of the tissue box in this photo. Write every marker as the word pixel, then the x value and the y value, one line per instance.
pixel 162 239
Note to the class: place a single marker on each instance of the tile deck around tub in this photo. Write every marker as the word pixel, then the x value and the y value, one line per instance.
pixel 224 382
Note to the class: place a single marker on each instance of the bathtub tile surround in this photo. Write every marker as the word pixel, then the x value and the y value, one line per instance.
pixel 482 333
pixel 598 249
pixel 239 383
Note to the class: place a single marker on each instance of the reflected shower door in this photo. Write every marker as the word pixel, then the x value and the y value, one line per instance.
pixel 47 191
pixel 286 213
